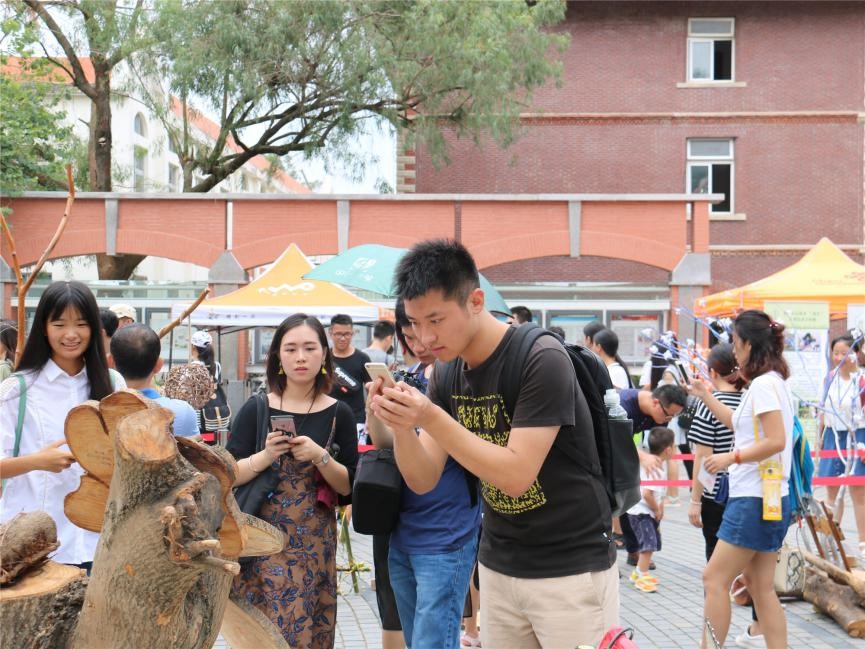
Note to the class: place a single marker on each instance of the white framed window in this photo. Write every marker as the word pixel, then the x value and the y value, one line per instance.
pixel 711 49
pixel 139 125
pixel 710 171
pixel 175 178
pixel 139 168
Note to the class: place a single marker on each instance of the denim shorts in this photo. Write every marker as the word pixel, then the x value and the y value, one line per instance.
pixel 833 466
pixel 743 525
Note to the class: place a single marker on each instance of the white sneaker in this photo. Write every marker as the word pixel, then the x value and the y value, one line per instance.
pixel 745 639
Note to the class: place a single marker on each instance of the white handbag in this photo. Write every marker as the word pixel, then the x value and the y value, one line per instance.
pixel 789 578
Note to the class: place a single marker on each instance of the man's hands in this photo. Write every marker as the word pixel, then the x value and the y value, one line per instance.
pixel 650 463
pixel 52 458
pixel 401 407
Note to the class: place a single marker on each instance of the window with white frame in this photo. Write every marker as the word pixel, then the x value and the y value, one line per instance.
pixel 710 171
pixel 711 49
pixel 139 125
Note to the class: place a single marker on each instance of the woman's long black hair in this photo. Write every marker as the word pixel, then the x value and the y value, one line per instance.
pixel 54 301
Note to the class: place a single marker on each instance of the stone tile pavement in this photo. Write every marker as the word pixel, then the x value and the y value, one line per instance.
pixel 667 619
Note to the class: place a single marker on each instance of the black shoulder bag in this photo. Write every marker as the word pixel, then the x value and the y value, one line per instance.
pixel 251 496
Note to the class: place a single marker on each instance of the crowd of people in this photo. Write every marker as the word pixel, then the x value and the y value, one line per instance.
pixel 496 519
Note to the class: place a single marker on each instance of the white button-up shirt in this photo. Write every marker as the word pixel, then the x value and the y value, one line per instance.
pixel 51 394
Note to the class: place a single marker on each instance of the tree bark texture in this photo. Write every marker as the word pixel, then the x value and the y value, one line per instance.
pixel 158 577
pixel 25 541
pixel 170 531
pixel 40 610
pixel 838 601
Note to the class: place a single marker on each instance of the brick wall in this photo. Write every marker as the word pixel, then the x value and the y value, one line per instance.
pixel 619 124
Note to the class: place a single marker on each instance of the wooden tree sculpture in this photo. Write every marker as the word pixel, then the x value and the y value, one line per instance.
pixel 171 534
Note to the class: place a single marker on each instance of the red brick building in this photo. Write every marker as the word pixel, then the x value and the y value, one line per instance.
pixel 761 101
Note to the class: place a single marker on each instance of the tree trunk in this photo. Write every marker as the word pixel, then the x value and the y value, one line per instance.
pixel 170 531
pixel 838 601
pixel 100 156
pixel 158 579
pixel 117 266
pixel 40 610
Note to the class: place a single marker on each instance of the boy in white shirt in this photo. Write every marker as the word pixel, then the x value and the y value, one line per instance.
pixel 645 517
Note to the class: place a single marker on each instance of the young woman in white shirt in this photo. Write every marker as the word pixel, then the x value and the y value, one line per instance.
pixel 747 543
pixel 62 365
pixel 843 413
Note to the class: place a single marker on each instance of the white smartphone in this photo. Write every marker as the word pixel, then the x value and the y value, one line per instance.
pixel 376 370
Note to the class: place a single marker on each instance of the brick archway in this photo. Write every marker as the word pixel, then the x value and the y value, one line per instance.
pixel 649 229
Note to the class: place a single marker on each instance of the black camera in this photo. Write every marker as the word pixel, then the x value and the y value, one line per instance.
pixel 409 379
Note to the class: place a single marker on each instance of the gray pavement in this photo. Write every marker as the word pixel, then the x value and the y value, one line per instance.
pixel 667 619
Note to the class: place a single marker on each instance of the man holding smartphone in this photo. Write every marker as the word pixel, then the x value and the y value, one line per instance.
pixel 546 558
pixel 349 371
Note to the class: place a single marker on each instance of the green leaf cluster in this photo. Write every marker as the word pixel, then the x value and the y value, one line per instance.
pixel 35 143
pixel 304 75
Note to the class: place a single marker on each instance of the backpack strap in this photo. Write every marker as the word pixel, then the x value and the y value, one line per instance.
pixel 22 408
pixel 19 426
pixel 522 341
pixel 443 390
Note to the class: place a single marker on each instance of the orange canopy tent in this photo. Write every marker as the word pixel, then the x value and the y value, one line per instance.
pixel 276 294
pixel 824 274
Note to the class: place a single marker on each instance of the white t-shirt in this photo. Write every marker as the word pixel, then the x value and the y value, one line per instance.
pixel 642 507
pixel 646 374
pixel 618 375
pixel 767 393
pixel 843 405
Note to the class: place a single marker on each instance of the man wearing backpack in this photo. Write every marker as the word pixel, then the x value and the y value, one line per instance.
pixel 546 555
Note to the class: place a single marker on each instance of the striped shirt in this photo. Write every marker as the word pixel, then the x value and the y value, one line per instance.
pixel 706 430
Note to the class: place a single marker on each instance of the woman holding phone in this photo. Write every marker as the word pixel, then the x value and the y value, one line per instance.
pixel 757 514
pixel 296 588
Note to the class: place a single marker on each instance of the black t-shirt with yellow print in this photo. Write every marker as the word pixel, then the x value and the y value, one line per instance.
pixel 561 525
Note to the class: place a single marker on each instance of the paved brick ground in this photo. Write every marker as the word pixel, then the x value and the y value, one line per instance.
pixel 668 619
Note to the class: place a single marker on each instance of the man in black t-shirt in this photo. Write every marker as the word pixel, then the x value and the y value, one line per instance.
pixel 348 369
pixel 547 560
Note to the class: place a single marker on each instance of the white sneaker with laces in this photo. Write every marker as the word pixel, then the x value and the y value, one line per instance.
pixel 745 639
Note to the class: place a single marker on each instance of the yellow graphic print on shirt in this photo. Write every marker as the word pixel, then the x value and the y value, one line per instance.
pixel 487 418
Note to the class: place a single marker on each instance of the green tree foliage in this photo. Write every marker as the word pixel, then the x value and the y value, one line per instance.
pixel 35 142
pixel 305 75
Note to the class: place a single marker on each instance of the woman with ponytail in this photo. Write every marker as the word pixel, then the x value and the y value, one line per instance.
pixel 751 531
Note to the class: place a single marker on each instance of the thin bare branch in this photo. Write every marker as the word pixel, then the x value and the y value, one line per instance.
pixel 192 307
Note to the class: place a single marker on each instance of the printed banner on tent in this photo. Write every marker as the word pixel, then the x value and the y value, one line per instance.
pixel 799 315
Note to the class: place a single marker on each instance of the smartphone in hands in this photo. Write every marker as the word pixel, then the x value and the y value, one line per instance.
pixel 380 370
pixel 283 424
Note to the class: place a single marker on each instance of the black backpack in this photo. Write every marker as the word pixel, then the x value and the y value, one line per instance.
pixel 617 463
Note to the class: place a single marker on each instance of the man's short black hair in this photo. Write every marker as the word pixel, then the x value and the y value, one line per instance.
pixel 558 331
pixel 593 327
pixel 383 329
pixel 135 350
pixel 342 319
pixel 521 314
pixel 437 264
pixel 671 395
pixel 660 439
pixel 109 321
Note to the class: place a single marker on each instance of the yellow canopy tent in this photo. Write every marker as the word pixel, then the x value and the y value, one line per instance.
pixel 276 294
pixel 824 274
